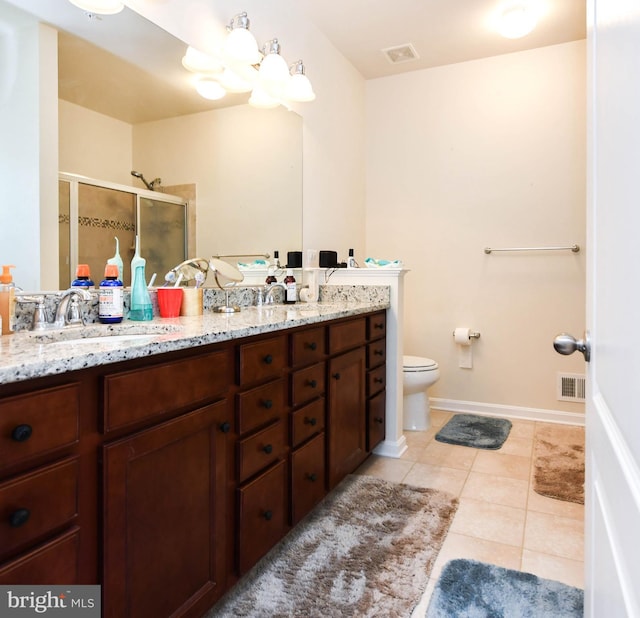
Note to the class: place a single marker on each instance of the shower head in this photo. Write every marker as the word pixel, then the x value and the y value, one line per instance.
pixel 141 177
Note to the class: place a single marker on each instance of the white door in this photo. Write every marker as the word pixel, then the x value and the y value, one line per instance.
pixel 612 586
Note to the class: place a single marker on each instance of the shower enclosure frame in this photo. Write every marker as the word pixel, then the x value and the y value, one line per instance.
pixel 76 180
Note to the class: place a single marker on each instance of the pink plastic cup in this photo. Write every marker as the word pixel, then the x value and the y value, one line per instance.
pixel 169 302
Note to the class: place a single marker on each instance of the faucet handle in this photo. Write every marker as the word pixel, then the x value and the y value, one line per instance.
pixel 74 313
pixel 40 319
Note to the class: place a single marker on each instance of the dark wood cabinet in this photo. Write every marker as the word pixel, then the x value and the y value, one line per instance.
pixel 376 379
pixel 164 505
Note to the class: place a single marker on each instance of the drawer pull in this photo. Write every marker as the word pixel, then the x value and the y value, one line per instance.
pixel 378 325
pixel 312 383
pixel 310 421
pixel 22 433
pixel 336 376
pixel 225 427
pixel 313 477
pixel 378 352
pixel 378 380
pixel 268 404
pixel 268 449
pixel 313 346
pixel 19 518
pixel 268 359
pixel 268 515
pixel 379 419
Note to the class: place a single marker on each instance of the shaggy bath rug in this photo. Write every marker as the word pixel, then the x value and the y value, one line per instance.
pixel 558 453
pixel 366 550
pixel 474 589
pixel 475 431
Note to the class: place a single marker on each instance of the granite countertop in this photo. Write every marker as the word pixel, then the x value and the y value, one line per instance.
pixel 26 355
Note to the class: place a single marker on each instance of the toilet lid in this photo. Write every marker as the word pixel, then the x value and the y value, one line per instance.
pixel 418 363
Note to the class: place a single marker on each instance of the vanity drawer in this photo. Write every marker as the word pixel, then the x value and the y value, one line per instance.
pixel 307 478
pixel 376 353
pixel 307 346
pixel 306 384
pixel 376 418
pixel 262 360
pixel 307 421
pixel 347 335
pixel 377 325
pixel 260 405
pixel 37 423
pixel 37 503
pixel 141 394
pixel 262 515
pixel 376 379
pixel 261 450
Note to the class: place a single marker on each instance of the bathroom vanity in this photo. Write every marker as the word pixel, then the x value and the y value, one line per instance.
pixel 164 466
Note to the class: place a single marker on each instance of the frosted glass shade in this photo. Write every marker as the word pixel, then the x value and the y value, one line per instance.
pixel 299 89
pixel 273 75
pixel 241 46
pixel 209 88
pixel 198 62
pixel 259 98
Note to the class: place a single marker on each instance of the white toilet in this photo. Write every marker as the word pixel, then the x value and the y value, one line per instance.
pixel 418 375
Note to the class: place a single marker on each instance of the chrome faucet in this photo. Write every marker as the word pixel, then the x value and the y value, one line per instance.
pixel 68 311
pixel 268 293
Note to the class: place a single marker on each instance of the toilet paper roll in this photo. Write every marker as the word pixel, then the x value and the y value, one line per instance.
pixel 462 336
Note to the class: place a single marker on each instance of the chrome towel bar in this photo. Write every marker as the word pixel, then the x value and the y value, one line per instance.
pixel 574 248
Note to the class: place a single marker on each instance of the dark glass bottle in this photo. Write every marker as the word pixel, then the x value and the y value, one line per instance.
pixel 290 293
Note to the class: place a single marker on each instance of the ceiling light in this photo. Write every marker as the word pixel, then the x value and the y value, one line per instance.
pixel 517 21
pixel 209 88
pixel 273 73
pixel 299 87
pixel 101 7
pixel 199 62
pixel 241 45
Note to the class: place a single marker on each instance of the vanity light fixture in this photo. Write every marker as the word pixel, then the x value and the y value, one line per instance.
pixel 232 82
pixel 198 62
pixel 263 100
pixel 240 45
pixel 99 7
pixel 299 87
pixel 273 74
pixel 209 88
pixel 517 20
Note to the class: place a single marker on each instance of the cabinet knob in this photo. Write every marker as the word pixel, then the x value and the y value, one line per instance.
pixel 312 383
pixel 19 518
pixel 378 352
pixel 21 433
pixel 378 380
pixel 313 477
pixel 310 421
pixel 225 427
pixel 268 359
pixel 268 515
pixel 336 376
pixel 378 325
pixel 268 449
pixel 312 346
pixel 268 404
pixel 378 419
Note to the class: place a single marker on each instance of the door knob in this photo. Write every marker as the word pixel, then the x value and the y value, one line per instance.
pixel 568 344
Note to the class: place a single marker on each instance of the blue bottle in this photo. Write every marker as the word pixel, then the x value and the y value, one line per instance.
pixel 110 305
pixel 141 308
pixel 83 277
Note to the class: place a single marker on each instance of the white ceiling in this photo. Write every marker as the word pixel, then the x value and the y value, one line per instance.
pixel 441 31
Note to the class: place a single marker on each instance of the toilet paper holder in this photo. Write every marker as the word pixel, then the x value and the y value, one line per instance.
pixel 473 334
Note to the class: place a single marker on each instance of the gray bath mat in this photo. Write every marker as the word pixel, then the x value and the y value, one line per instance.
pixel 475 431
pixel 470 588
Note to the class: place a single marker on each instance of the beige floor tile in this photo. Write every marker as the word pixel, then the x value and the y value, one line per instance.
pixel 436 477
pixel 555 535
pixel 492 522
pixel 496 489
pixel 517 446
pixel 522 429
pixel 448 455
pixel 542 504
pixel 420 438
pixel 472 548
pixel 440 417
pixel 500 464
pixel 570 572
pixel 412 453
pixel 385 468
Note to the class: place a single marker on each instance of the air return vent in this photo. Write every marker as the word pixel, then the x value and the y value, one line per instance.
pixel 401 53
pixel 571 387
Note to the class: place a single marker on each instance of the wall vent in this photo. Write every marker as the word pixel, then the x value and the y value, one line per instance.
pixel 571 386
pixel 401 53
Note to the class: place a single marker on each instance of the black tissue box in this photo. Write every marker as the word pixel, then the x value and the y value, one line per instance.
pixel 294 259
pixel 328 259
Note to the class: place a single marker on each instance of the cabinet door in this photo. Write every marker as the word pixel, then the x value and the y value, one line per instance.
pixel 164 514
pixel 346 414
pixel 307 478
pixel 376 420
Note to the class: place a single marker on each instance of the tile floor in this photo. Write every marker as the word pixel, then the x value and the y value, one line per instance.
pixel 500 519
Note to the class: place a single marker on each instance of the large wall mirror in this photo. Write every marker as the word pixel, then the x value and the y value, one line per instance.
pixel 240 167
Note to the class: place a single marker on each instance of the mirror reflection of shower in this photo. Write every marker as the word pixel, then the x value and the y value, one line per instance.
pixel 156 182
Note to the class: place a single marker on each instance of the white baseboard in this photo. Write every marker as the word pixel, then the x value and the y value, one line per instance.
pixel 516 412
pixel 387 448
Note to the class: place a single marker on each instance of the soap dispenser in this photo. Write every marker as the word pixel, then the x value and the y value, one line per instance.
pixel 140 308
pixel 117 260
pixel 7 299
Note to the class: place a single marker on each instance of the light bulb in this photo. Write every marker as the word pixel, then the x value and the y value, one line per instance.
pixel 101 7
pixel 209 88
pixel 517 21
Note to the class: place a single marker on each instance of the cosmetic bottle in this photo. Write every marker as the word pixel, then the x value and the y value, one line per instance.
pixel 271 278
pixel 141 308
pixel 351 262
pixel 110 305
pixel 7 300
pixel 83 278
pixel 290 294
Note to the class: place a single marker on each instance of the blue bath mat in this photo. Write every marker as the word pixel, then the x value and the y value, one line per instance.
pixel 470 588
pixel 475 431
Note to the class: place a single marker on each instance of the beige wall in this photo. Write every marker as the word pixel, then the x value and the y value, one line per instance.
pixel 476 154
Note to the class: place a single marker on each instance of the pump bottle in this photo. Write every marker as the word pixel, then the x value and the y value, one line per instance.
pixel 290 294
pixel 7 300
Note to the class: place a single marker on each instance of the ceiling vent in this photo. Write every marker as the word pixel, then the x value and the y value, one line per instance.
pixel 401 53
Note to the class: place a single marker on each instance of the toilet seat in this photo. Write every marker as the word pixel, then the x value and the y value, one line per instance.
pixel 416 364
